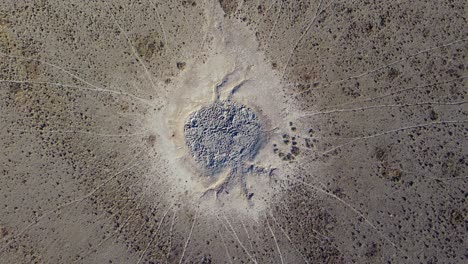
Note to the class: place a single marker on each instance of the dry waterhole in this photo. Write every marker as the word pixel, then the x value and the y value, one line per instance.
pixel 233 131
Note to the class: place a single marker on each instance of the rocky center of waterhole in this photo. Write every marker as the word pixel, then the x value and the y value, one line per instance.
pixel 223 135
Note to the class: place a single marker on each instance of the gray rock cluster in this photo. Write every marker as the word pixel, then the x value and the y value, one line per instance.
pixel 223 134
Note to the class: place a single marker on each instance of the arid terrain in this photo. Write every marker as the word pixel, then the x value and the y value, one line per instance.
pixel 233 131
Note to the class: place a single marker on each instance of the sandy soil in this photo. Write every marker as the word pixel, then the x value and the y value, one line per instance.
pixel 362 105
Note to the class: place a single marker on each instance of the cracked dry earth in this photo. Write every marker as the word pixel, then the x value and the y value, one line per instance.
pixel 361 155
